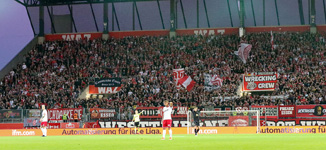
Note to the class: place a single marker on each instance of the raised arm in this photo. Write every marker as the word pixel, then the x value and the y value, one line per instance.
pixel 141 112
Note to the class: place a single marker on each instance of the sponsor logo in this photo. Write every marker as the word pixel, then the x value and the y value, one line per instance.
pixel 94 113
pixel 251 85
pixel 69 125
pixel 318 110
pixel 239 123
pixel 22 133
pixel 108 90
pixel 205 131
pixel 295 122
pixel 120 131
pixel 288 130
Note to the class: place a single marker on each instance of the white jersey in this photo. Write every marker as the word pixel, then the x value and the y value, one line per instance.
pixel 136 117
pixel 167 111
pixel 44 116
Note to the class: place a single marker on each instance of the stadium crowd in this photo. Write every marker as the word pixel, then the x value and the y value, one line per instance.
pixel 55 73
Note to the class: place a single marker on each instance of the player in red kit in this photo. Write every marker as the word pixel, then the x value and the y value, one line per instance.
pixel 167 119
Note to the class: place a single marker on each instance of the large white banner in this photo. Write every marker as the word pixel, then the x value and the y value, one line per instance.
pixel 243 51
pixel 178 74
pixel 212 82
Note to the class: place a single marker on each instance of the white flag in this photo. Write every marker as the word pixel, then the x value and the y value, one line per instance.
pixel 243 51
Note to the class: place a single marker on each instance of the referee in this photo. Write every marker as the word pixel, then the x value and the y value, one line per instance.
pixel 195 113
pixel 136 119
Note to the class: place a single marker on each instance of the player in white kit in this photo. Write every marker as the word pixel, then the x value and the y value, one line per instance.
pixel 44 121
pixel 167 119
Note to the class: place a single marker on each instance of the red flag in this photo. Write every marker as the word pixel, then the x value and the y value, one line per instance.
pixel 187 82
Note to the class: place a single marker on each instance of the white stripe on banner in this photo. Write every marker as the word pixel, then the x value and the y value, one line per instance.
pixel 187 82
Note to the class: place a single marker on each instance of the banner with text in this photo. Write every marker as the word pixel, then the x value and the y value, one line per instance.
pixel 99 113
pixel 103 90
pixel 108 82
pixel 156 112
pixel 72 36
pixel 293 130
pixel 178 74
pixel 266 111
pixel 208 31
pixel 259 81
pixel 56 114
pixel 34 113
pixel 32 122
pixel 6 114
pixel 294 122
pixel 314 111
pixel 286 111
pixel 158 131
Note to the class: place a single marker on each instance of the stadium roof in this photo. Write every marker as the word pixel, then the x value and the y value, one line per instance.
pixel 31 3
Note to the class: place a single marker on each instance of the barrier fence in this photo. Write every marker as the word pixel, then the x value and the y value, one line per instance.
pixel 291 115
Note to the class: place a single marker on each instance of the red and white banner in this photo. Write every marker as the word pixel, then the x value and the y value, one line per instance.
pixel 157 112
pixel 266 111
pixel 11 125
pixel 304 28
pixel 215 80
pixel 206 32
pixel 92 125
pixel 103 90
pixel 70 125
pixel 286 111
pixel 119 34
pixel 56 114
pixel 53 126
pixel 259 81
pixel 238 121
pixel 243 51
pixel 314 111
pixel 73 36
pixel 178 74
pixel 212 82
pixel 97 113
pixel 240 109
pixel 187 82
pixel 203 32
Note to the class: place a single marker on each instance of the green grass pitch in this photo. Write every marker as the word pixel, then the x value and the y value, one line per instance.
pixel 179 142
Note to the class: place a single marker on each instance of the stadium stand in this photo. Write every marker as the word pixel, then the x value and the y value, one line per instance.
pixel 55 73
